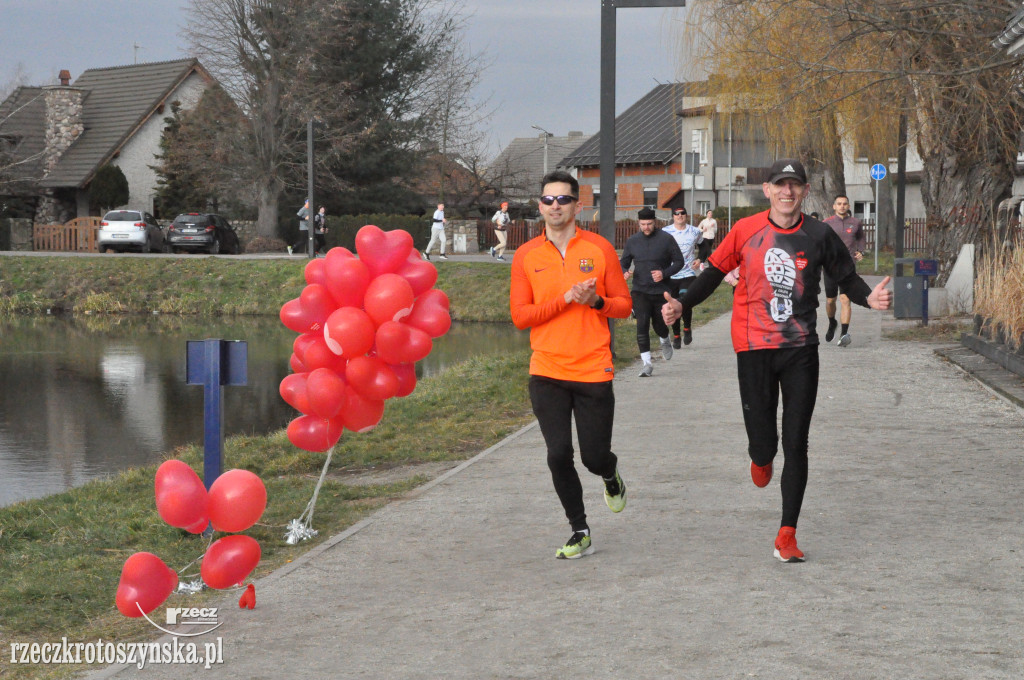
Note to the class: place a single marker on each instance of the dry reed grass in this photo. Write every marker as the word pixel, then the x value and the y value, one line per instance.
pixel 999 291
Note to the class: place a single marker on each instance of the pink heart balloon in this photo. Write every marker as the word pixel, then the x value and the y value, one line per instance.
pixel 319 355
pixel 181 498
pixel 229 560
pixel 318 304
pixel 145 583
pixel 371 378
pixel 398 343
pixel 347 279
pixel 382 251
pixel 349 332
pixel 325 390
pixel 237 500
pixel 293 391
pixel 361 414
pixel 313 433
pixel 315 272
pixel 294 317
pixel 388 298
pixel 430 314
pixel 420 274
pixel 406 374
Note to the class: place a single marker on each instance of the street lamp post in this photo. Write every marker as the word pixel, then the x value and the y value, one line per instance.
pixel 546 135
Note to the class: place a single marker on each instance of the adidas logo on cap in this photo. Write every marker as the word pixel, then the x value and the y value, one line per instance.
pixel 787 168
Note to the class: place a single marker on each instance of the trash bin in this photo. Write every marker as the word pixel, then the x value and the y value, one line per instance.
pixel 906 294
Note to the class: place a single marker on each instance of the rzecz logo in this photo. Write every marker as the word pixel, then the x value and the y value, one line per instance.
pixel 205 619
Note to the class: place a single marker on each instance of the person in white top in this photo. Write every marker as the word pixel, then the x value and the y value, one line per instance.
pixel 501 221
pixel 709 228
pixel 437 233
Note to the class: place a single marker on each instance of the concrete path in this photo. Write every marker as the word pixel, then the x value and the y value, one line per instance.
pixel 911 526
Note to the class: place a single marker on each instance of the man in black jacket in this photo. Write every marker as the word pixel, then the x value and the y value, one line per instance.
pixel 656 257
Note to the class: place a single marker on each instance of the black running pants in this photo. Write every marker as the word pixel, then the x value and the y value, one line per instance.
pixel 556 403
pixel 677 287
pixel 762 375
pixel 647 309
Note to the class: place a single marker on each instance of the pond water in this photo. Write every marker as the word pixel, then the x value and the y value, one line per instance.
pixel 86 396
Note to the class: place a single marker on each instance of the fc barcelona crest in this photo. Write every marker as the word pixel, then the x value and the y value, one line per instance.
pixel 586 264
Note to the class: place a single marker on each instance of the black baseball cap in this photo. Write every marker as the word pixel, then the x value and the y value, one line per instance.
pixel 787 168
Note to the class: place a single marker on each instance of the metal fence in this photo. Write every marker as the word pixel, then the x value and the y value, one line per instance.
pixel 915 233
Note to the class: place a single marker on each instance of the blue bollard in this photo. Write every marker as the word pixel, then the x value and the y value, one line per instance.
pixel 213 364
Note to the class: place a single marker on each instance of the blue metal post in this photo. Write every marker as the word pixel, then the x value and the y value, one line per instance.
pixel 213 410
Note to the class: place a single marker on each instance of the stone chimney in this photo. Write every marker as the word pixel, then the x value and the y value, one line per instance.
pixel 63 119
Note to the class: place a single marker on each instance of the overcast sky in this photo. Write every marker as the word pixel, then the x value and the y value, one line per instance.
pixel 545 53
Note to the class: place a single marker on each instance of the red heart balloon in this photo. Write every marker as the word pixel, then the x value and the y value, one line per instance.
pixel 248 599
pixel 371 378
pixel 349 332
pixel 406 374
pixel 318 304
pixel 361 414
pixel 347 279
pixel 382 251
pixel 319 355
pixel 303 341
pixel 229 561
pixel 398 343
pixel 326 392
pixel 293 391
pixel 181 498
pixel 315 272
pixel 145 583
pixel 237 500
pixel 296 364
pixel 420 274
pixel 294 317
pixel 313 433
pixel 388 298
pixel 338 253
pixel 430 314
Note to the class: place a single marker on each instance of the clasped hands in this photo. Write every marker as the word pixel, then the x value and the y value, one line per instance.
pixel 584 292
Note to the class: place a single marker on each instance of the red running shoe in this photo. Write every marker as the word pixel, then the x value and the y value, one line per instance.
pixel 785 546
pixel 761 475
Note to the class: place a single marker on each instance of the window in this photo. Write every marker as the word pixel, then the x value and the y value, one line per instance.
pixel 651 197
pixel 864 209
pixel 702 208
pixel 699 144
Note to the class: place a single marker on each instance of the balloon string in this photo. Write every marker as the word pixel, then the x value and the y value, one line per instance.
pixel 209 541
pixel 307 515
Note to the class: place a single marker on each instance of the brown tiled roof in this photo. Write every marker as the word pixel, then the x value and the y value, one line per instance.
pixel 116 102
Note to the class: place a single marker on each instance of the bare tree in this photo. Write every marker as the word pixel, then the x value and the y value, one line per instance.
pixel 828 70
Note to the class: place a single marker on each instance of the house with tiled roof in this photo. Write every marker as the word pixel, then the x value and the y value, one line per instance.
pixel 516 171
pixel 654 135
pixel 60 135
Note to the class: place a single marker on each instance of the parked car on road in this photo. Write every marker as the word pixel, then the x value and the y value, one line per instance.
pixel 123 230
pixel 203 231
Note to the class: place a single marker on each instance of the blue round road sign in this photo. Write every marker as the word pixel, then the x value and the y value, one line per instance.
pixel 877 172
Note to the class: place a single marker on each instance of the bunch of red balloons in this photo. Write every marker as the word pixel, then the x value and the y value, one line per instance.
pixel 363 323
pixel 236 500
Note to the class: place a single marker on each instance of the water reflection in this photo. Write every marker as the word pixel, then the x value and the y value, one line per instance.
pixel 86 396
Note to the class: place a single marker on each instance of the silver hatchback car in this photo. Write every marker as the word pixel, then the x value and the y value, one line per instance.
pixel 122 230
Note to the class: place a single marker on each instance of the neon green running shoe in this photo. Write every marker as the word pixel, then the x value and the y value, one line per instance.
pixel 615 493
pixel 576 547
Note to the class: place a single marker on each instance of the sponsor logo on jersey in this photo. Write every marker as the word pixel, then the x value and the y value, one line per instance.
pixel 780 270
pixel 586 264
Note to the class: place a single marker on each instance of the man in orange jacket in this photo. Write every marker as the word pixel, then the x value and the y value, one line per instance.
pixel 566 285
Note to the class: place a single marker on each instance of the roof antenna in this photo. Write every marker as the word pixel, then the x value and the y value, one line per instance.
pixel 135 51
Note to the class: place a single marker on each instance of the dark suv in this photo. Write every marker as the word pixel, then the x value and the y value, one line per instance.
pixel 202 231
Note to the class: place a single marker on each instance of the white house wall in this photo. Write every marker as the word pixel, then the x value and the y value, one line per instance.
pixel 139 153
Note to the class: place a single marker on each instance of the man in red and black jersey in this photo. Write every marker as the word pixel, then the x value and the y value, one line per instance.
pixel 780 254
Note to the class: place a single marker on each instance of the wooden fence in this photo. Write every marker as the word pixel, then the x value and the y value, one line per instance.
pixel 915 233
pixel 78 235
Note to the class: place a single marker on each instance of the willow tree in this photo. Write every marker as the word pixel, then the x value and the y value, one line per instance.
pixel 827 73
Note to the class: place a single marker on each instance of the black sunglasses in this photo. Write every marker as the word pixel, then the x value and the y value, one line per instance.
pixel 678 212
pixel 562 200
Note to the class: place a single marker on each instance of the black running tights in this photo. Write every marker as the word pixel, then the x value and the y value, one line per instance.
pixel 762 374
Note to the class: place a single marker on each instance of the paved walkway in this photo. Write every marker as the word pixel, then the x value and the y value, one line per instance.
pixel 911 527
